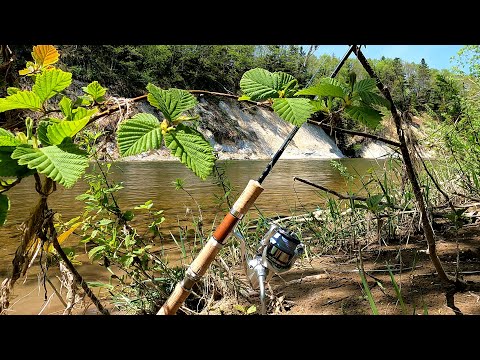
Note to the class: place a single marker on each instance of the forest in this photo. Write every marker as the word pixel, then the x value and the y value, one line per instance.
pixel 402 239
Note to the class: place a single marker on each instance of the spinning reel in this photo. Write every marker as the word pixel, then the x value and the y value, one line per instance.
pixel 276 254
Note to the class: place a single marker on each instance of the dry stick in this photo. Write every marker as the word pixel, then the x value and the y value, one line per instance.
pixel 341 196
pixel 78 277
pixel 427 226
pixel 351 132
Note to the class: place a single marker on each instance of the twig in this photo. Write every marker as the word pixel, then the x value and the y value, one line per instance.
pixel 56 292
pixel 78 277
pixel 344 197
pixel 351 132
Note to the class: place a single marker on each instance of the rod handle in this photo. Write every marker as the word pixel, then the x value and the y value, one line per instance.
pixel 175 300
pixel 247 197
pixel 205 257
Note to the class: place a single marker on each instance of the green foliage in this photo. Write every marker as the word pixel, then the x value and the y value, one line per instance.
pixel 397 291
pixel 252 309
pixel 192 149
pixel 172 102
pixel 63 163
pixel 260 84
pixel 20 100
pixel 138 134
pixel 95 91
pixel 50 83
pixel 368 293
pixel 58 132
pixel 356 99
pixel 144 132
pixel 294 110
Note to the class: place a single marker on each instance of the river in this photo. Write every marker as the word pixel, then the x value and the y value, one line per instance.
pixel 153 180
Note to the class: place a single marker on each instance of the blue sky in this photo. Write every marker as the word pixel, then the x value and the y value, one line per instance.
pixel 436 56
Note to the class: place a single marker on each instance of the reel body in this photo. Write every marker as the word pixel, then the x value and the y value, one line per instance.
pixel 276 254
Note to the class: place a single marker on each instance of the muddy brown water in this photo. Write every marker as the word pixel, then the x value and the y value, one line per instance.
pixel 153 180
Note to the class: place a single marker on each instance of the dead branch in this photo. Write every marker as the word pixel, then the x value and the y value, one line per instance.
pixel 344 197
pixel 351 132
pixel 412 176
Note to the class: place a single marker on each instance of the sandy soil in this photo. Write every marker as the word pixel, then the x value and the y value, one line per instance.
pixel 331 284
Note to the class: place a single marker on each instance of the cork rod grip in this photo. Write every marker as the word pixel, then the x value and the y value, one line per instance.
pixel 248 197
pixel 205 257
pixel 175 300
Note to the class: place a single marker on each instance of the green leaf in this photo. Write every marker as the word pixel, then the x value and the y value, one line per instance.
pixel 95 252
pixel 4 207
pixel 4 132
pixel 366 115
pixel 100 284
pixel 244 97
pixel 8 141
pixel 172 102
pixel 81 113
pixel 319 105
pixel 66 107
pixel 139 134
pixel 20 100
pixel 192 149
pixel 10 167
pixel 260 84
pixel 397 291
pixel 323 89
pixel 56 133
pixel 251 309
pixel 12 90
pixel 370 98
pixel 293 110
pixel 374 200
pixel 50 83
pixel 239 308
pixel 373 306
pixel 364 85
pixel 63 163
pixel 95 90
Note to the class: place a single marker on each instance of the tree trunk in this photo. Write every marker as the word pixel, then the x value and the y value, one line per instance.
pixel 427 226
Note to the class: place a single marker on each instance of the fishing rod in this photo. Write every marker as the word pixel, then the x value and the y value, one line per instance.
pixel 201 263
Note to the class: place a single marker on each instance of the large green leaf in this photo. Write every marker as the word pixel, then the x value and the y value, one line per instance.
pixel 323 89
pixel 4 207
pixel 49 83
pixel 192 149
pixel 9 167
pixel 366 115
pixel 367 84
pixel 370 98
pixel 63 163
pixel 293 110
pixel 139 134
pixel 95 90
pixel 20 100
pixel 260 84
pixel 172 102
pixel 56 133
